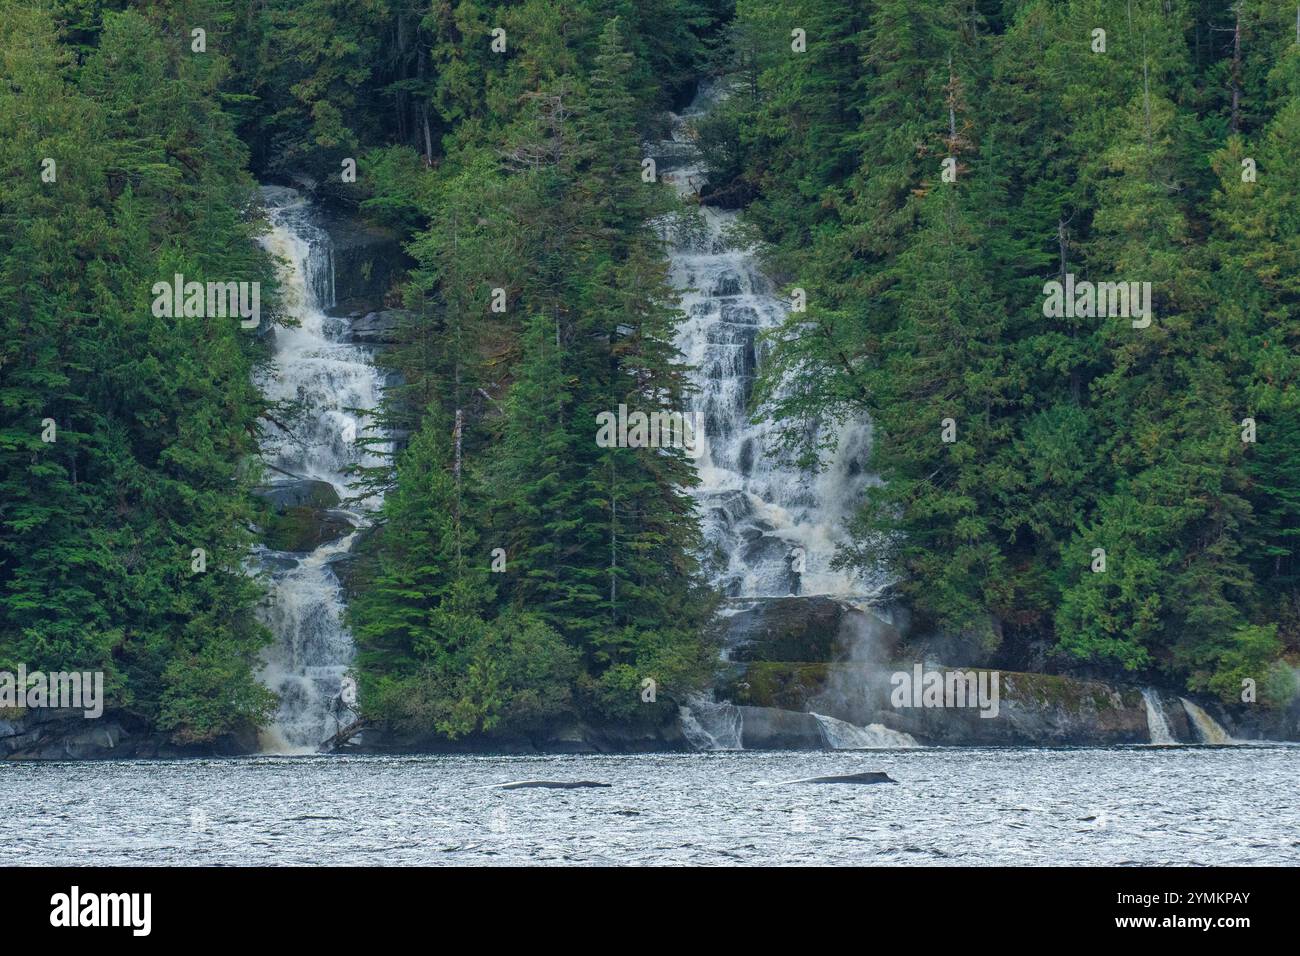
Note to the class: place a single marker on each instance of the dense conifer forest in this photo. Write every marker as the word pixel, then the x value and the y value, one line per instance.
pixel 1101 493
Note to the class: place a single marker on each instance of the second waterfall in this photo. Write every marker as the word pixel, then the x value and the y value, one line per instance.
pixel 772 529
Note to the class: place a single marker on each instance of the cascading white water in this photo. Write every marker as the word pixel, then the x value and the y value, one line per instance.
pixel 1157 725
pixel 757 512
pixel 708 725
pixel 771 529
pixel 1208 730
pixel 842 735
pixel 331 385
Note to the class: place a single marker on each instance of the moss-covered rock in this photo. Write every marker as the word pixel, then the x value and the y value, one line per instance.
pixel 304 529
pixel 299 514
pixel 1042 709
pixel 791 629
pixel 783 684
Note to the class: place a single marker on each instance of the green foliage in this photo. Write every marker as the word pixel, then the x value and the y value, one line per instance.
pixel 155 417
pixel 520 171
pixel 925 303
pixel 599 583
pixel 429 657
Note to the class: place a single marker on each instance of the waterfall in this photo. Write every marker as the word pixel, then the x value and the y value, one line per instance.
pixel 326 381
pixel 1157 725
pixel 1208 730
pixel 841 735
pixel 771 529
pixel 708 725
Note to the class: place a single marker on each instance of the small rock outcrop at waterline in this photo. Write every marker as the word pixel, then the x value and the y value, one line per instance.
pixel 66 734
pixel 770 728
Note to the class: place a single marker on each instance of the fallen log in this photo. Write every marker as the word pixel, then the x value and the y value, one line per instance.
pixel 343 736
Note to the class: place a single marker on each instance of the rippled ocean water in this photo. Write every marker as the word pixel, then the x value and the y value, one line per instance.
pixel 1138 805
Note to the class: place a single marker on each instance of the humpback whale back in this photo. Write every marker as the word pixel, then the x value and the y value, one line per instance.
pixel 870 776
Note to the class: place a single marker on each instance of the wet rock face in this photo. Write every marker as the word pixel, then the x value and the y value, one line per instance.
pixel 784 629
pixel 283 494
pixel 785 685
pixel 769 728
pixel 1175 717
pixel 64 740
pixel 301 515
pixel 1253 722
pixel 347 566
pixel 366 259
pixel 812 629
pixel 377 328
pixel 1037 709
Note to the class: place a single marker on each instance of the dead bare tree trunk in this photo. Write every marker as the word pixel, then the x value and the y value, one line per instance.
pixel 1236 72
